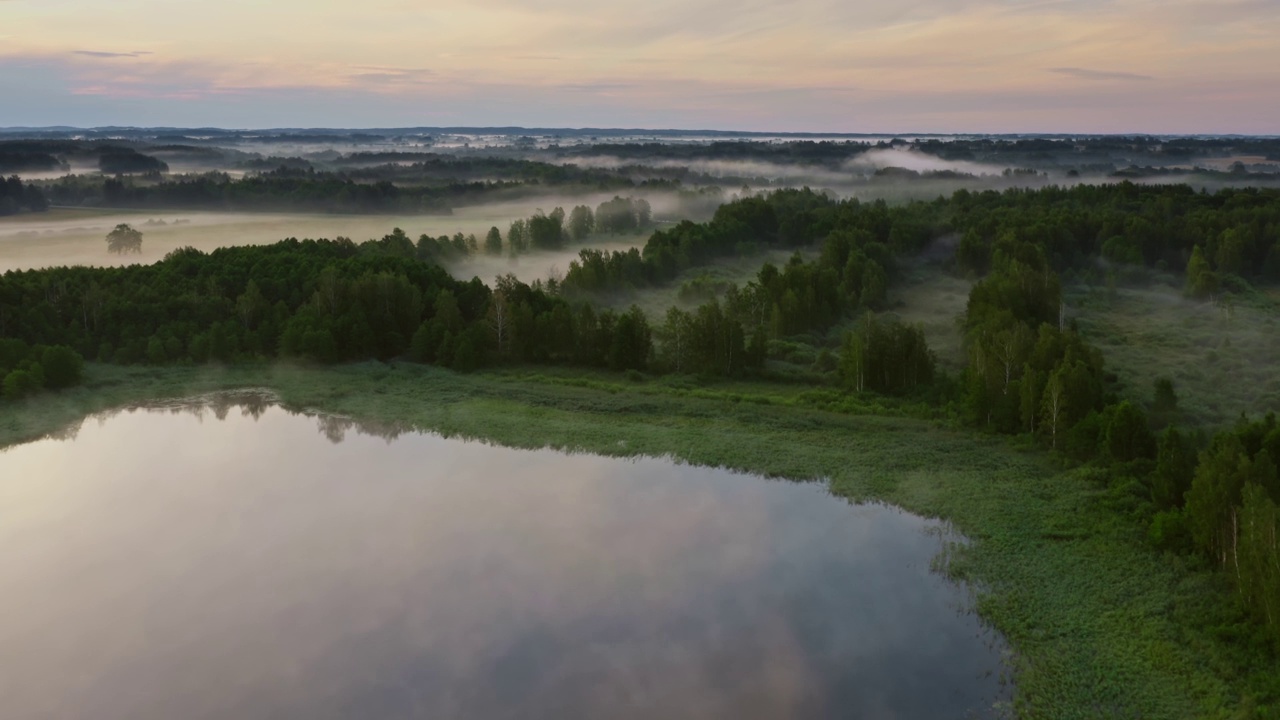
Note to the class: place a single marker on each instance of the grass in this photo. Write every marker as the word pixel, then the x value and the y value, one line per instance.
pixel 1222 361
pixel 1101 625
pixel 74 236
pixel 935 300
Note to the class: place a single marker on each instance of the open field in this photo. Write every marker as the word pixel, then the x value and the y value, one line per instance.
pixel 1102 625
pixel 1222 359
pixel 936 301
pixel 74 236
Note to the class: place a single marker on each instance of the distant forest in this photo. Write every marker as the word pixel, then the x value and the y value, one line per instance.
pixel 174 170
pixel 17 196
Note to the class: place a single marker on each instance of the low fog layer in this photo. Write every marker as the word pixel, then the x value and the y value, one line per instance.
pixel 917 161
pixel 78 237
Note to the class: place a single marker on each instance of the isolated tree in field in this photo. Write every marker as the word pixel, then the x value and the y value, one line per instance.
pixel 124 239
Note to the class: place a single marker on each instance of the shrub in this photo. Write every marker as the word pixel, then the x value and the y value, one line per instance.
pixel 63 367
pixel 20 383
pixel 1169 532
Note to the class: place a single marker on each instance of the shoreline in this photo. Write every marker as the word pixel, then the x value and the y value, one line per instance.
pixel 1098 622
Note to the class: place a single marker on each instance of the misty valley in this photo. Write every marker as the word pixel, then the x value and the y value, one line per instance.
pixel 505 422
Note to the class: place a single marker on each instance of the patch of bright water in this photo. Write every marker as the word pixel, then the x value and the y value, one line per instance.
pixel 190 562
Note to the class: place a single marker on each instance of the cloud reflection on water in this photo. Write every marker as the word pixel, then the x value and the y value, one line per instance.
pixel 161 565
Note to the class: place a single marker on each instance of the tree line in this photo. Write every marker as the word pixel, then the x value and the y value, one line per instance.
pixel 17 196
pixel 16 160
pixel 1232 235
pixel 326 301
pixel 552 231
pixel 281 190
pixel 27 369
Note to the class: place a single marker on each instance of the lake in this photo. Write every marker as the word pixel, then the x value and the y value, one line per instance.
pixel 226 558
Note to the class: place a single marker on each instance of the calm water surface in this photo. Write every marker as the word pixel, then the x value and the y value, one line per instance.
pixel 174 564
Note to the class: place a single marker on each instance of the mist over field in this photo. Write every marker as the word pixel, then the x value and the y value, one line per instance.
pixel 512 176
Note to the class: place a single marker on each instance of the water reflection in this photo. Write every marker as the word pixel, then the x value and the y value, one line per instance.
pixel 162 565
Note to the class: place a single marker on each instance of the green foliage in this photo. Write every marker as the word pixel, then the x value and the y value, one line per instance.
pixel 1164 404
pixel 1021 284
pixel 1201 280
pixel 1175 468
pixel 123 239
pixel 1026 371
pixel 885 357
pixel 1096 622
pixel 124 160
pixel 1169 532
pixel 853 268
pixel 582 223
pixel 493 242
pixel 16 196
pixel 1128 437
pixel 619 215
pixel 21 383
pixel 1233 520
pixel 27 369
pixel 546 232
pixel 708 341
pixel 1215 491
pixel 1257 557
pixel 631 343
pixel 323 301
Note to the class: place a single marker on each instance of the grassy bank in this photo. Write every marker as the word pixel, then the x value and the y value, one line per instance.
pixel 1103 627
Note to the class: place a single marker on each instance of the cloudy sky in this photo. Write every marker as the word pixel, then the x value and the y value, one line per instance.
pixel 1165 66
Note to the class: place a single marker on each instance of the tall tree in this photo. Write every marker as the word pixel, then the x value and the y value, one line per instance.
pixel 1201 280
pixel 493 242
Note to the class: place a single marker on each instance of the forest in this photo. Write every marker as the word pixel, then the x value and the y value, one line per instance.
pixel 17 196
pixel 1209 497
pixel 433 172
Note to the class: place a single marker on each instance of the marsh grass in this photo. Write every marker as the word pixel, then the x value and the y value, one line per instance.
pixel 1222 358
pixel 935 300
pixel 1100 625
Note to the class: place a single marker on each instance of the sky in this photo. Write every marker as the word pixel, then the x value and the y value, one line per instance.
pixel 1084 66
